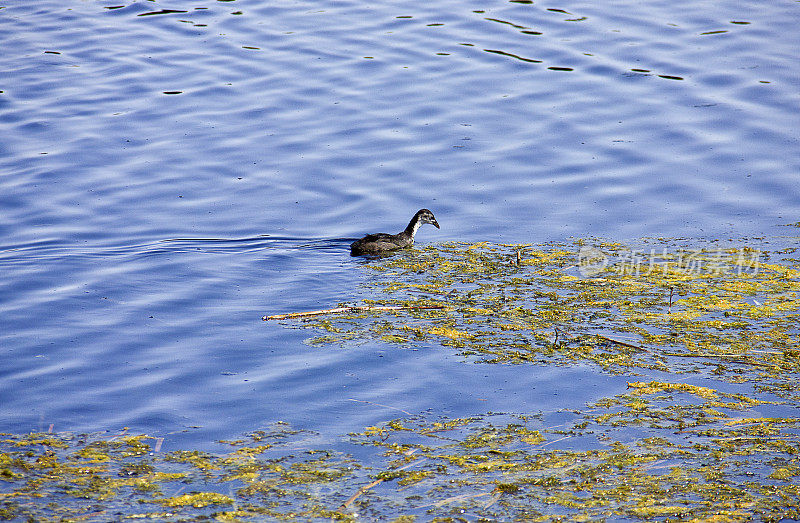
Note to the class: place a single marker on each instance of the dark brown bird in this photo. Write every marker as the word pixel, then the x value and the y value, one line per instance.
pixel 381 242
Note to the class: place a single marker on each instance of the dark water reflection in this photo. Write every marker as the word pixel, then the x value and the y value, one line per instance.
pixel 170 174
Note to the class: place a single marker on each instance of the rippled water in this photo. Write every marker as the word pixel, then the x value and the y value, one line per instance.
pixel 169 173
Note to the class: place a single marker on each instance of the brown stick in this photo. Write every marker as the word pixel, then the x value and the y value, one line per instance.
pixel 612 340
pixel 353 308
pixel 359 492
pixel 375 483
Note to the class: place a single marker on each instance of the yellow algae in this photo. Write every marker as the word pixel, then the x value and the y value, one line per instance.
pixel 655 386
pixel 660 450
pixel 198 500
pixel 393 338
pixel 534 438
pixel 682 311
pixel 197 459
pixel 250 451
pixel 601 484
pixel 448 332
pixel 410 478
pixel 35 439
pixel 92 455
pixel 785 473
pixel 761 421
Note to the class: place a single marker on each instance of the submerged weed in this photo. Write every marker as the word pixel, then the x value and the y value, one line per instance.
pixel 659 451
pixel 666 450
pixel 731 311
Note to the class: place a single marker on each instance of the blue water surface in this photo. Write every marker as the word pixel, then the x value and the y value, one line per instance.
pixel 171 171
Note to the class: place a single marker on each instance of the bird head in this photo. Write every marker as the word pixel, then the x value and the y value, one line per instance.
pixel 426 216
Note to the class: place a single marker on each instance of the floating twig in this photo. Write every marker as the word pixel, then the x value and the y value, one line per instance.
pixel 121 434
pixel 461 497
pixel 618 342
pixel 496 495
pixel 377 482
pixel 360 492
pixel 381 405
pixel 671 291
pixel 554 441
pixel 352 308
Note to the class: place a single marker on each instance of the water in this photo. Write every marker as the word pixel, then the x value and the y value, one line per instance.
pixel 167 178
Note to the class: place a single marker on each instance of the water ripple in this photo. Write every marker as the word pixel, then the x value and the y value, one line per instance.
pixel 170 173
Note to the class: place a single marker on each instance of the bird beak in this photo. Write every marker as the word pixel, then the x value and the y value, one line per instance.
pixel 435 223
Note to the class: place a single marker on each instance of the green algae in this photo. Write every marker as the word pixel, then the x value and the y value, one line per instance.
pixel 68 477
pixel 729 309
pixel 705 442
pixel 660 450
pixel 705 468
pixel 198 500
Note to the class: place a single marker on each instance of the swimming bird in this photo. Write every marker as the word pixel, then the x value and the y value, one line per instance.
pixel 381 242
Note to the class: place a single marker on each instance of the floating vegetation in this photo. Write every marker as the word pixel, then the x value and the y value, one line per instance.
pixel 697 456
pixel 659 451
pixel 729 310
pixel 717 437
pixel 80 477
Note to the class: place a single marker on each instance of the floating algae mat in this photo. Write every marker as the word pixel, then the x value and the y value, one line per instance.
pixel 724 315
pixel 660 450
pixel 731 309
